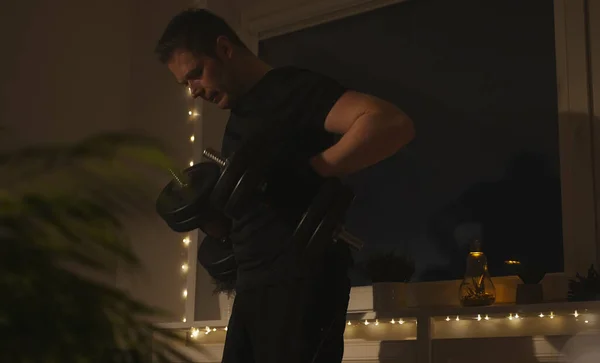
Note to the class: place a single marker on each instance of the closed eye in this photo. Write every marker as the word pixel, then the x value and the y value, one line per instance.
pixel 195 73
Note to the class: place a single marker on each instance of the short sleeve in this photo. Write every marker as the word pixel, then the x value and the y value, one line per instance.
pixel 320 95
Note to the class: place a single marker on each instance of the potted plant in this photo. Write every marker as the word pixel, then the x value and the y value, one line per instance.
pixel 585 288
pixel 61 214
pixel 530 291
pixel 389 272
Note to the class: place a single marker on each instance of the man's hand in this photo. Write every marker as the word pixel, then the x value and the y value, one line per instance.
pixel 372 129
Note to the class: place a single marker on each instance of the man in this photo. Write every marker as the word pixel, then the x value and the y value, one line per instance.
pixel 283 313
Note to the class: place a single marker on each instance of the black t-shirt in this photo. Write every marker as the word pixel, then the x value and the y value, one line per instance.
pixel 302 100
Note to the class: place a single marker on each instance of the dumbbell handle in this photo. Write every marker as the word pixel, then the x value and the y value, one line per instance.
pixel 215 156
pixel 349 238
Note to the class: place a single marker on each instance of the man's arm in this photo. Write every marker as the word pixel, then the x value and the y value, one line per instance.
pixel 372 129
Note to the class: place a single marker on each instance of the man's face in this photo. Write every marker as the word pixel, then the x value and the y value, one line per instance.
pixel 208 78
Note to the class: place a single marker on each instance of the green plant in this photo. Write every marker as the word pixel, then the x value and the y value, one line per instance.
pixel 388 267
pixel 61 214
pixel 585 288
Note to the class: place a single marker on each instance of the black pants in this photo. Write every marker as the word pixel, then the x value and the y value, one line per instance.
pixel 301 321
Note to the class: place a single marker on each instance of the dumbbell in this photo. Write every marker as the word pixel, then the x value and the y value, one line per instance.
pixel 319 224
pixel 208 195
pixel 322 222
pixel 241 182
pixel 184 202
pixel 216 256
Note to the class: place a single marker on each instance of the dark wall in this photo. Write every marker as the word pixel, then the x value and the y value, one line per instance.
pixel 479 80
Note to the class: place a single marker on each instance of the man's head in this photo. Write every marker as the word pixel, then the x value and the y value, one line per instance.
pixel 206 55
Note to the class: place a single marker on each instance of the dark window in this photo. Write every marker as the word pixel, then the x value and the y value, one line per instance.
pixel 479 80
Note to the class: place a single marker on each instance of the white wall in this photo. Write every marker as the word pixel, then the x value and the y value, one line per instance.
pixel 64 68
pixel 70 69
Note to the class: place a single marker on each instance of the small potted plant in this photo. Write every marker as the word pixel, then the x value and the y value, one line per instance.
pixel 530 291
pixel 389 272
pixel 585 288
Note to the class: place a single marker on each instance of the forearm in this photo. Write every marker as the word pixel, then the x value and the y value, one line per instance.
pixel 372 138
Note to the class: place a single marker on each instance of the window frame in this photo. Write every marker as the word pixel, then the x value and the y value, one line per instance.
pixel 575 58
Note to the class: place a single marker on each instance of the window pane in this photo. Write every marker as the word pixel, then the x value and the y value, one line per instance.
pixel 479 80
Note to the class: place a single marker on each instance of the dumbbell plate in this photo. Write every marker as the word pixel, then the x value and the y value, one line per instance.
pixel 216 256
pixel 331 222
pixel 210 221
pixel 315 214
pixel 245 192
pixel 186 225
pixel 182 207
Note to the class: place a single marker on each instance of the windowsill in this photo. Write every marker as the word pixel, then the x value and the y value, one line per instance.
pixel 383 336
pixel 444 294
pixel 360 307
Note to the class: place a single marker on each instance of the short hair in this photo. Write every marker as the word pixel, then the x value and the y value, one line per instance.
pixel 195 30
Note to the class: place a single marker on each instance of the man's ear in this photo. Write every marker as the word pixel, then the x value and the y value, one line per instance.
pixel 224 48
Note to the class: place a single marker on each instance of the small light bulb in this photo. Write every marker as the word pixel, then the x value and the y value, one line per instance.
pixel 393 321
pixel 541 315
pixel 587 321
pixel 551 315
pixel 516 316
pixel 400 321
pixel 576 313
pixel 192 163
pixel 366 322
pixel 186 241
pixel 457 318
pixel 376 321
pixel 225 329
pixel 192 138
pixel 195 333
pixel 184 293
pixel 478 317
pixel 349 323
pixel 510 317
pixel 207 330
pixel 190 113
pixel 447 318
pixel 184 267
pixel 487 317
pixel 214 329
pixel 184 320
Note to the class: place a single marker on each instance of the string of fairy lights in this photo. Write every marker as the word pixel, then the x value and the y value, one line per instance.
pixel 196 333
pixel 187 239
pixel 184 269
